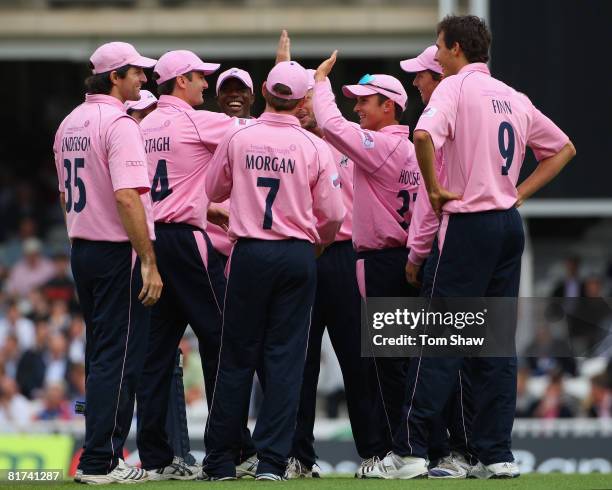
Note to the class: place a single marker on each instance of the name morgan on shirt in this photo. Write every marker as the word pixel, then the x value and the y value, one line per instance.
pixel 266 162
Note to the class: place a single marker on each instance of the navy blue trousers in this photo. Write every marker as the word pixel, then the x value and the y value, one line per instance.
pixel 267 314
pixel 194 286
pixel 479 256
pixel 336 307
pixel 108 282
pixel 381 273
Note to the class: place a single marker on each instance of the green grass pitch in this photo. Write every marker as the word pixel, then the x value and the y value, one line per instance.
pixel 594 481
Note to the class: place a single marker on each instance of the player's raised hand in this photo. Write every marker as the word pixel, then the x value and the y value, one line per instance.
pixel 283 51
pixel 325 68
pixel 439 198
pixel 412 271
pixel 151 284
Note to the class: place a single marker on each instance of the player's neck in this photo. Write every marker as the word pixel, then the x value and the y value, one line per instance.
pixel 384 123
pixel 116 94
pixel 272 110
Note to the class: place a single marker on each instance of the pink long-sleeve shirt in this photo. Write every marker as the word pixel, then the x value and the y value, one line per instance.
pixel 282 181
pixel 424 223
pixel 386 174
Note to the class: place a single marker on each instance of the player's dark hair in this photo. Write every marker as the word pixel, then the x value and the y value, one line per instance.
pixel 277 103
pixel 399 112
pixel 470 32
pixel 101 82
pixel 167 87
pixel 435 75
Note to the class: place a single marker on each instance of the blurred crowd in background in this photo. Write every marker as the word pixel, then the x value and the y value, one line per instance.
pixel 42 332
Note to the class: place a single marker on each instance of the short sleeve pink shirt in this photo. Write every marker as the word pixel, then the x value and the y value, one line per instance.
pixel 98 150
pixel 282 181
pixel 180 142
pixel 484 126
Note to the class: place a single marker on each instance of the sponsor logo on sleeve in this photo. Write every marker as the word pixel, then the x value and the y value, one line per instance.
pixel 430 112
pixel 368 140
pixel 344 161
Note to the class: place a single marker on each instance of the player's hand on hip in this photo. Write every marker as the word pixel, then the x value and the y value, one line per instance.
pixel 218 216
pixel 412 271
pixel 519 200
pixel 283 51
pixel 151 284
pixel 439 198
pixel 325 68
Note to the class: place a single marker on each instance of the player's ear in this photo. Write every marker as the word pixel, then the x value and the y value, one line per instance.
pixel 456 49
pixel 251 99
pixel 263 89
pixel 114 77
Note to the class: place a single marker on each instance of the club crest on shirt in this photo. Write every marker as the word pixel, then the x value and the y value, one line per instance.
pixel 344 161
pixel 368 140
pixel 430 112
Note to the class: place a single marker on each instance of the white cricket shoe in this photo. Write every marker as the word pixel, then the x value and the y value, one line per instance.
pixel 295 470
pixel 394 467
pixel 366 463
pixel 507 469
pixel 448 468
pixel 122 473
pixel 247 468
pixel 177 470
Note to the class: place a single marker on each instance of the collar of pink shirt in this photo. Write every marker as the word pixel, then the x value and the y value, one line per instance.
pixel 398 129
pixel 481 67
pixel 279 118
pixel 104 99
pixel 171 100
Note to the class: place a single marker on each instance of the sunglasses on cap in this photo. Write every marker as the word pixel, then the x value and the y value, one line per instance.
pixel 367 79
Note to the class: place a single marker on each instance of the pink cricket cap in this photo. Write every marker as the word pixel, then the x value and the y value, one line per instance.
pixel 385 85
pixel 147 99
pixel 111 56
pixel 237 73
pixel 291 74
pixel 425 61
pixel 175 63
pixel 311 79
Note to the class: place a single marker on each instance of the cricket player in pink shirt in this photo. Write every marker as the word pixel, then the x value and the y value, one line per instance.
pixel 337 308
pixel 386 179
pixel 449 452
pixel 141 108
pixel 104 192
pixel 180 142
pixel 483 127
pixel 285 198
pixel 234 98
